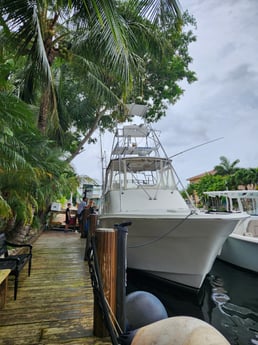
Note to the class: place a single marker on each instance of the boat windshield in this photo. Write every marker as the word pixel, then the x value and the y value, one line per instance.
pixel 250 205
pixel 140 172
pixel 233 201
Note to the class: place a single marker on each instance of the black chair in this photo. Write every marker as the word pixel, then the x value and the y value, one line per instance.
pixel 14 262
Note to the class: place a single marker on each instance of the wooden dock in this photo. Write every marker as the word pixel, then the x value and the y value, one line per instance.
pixel 55 304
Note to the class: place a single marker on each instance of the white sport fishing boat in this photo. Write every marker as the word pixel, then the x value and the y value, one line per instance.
pixel 168 238
pixel 241 247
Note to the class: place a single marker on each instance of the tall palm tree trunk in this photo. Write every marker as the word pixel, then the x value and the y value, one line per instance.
pixel 43 111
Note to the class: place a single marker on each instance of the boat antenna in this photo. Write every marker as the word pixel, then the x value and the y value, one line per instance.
pixel 102 161
pixel 194 147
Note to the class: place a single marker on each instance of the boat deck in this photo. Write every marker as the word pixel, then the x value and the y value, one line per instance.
pixel 55 304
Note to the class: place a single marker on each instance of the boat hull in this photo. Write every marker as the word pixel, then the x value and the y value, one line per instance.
pixel 178 248
pixel 241 247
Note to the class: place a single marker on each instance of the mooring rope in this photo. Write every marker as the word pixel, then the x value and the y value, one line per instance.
pixel 99 291
pixel 115 322
pixel 163 235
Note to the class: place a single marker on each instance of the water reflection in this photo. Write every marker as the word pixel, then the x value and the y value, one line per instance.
pixel 228 300
pixel 234 293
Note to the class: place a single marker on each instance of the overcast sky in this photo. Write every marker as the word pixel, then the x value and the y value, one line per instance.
pixel 223 103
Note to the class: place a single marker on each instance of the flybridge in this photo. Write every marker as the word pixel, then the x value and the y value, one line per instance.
pixel 138 159
pixel 135 140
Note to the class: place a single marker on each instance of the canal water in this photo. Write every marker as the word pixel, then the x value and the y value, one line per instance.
pixel 228 300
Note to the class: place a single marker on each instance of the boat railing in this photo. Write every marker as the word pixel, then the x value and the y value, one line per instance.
pixel 130 184
pixel 135 131
pixel 132 150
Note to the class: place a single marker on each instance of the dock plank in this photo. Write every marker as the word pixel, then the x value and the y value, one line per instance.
pixel 55 304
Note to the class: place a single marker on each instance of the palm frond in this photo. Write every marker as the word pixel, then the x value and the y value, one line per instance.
pixel 5 209
pixel 158 11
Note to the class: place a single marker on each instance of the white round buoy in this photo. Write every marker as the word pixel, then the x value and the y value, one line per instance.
pixel 179 330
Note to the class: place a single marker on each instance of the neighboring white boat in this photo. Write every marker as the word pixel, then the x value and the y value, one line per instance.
pixel 241 247
pixel 167 238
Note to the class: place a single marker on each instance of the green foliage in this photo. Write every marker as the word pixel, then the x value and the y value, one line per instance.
pixel 32 171
pixel 210 183
pixel 243 177
pixel 5 209
pixel 190 190
pixel 62 201
pixel 80 62
pixel 225 167
pixel 165 60
pixel 227 177
pixel 36 223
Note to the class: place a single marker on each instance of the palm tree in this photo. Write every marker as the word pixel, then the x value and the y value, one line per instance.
pixel 96 67
pixel 86 105
pixel 31 170
pixel 45 32
pixel 225 167
pixel 245 177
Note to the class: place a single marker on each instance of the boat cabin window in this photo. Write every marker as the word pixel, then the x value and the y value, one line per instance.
pixel 250 206
pixel 233 204
pixel 132 174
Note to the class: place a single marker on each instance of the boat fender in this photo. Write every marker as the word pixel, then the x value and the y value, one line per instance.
pixel 143 308
pixel 179 330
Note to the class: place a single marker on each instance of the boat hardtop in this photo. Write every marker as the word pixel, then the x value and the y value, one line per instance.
pixel 236 200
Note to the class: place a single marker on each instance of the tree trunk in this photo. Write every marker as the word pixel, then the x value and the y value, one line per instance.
pixel 87 136
pixel 43 111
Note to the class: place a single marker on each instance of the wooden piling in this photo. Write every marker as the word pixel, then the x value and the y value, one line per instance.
pixel 93 218
pixel 106 244
pixel 106 254
pixel 83 223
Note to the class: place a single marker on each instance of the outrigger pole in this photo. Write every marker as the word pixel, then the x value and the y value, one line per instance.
pixel 194 147
pixel 191 148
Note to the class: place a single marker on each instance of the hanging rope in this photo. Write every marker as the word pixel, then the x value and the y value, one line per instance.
pixel 99 292
pixel 163 235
